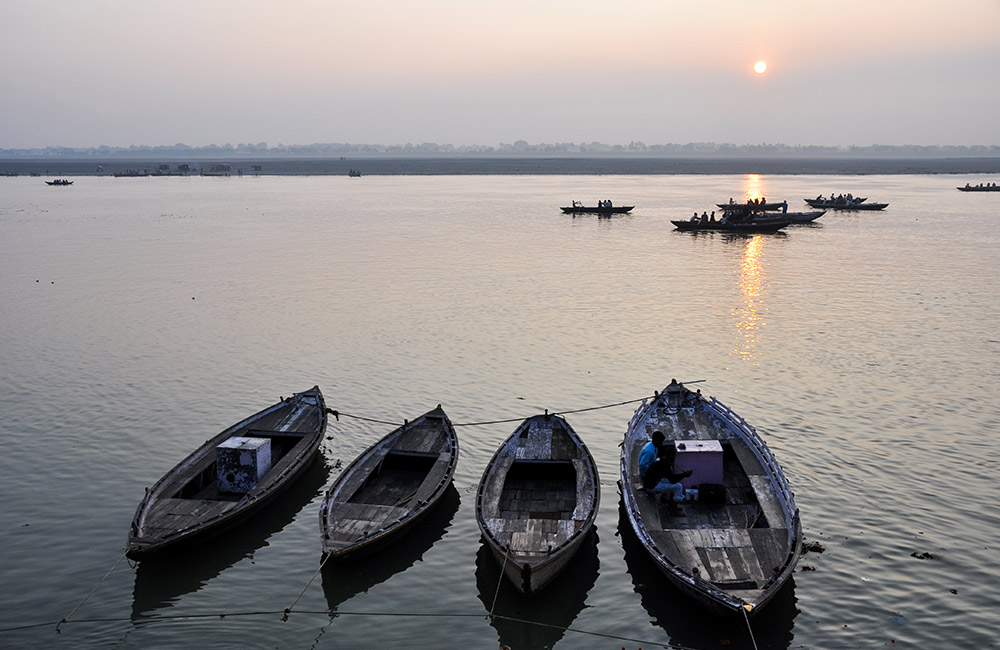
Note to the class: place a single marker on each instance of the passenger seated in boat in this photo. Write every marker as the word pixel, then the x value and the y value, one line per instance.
pixel 660 477
pixel 656 467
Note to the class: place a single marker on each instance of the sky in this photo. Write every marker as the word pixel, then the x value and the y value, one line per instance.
pixel 87 73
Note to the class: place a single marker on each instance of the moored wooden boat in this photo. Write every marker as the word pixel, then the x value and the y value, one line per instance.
pixel 230 476
pixel 537 501
pixel 736 544
pixel 584 209
pixel 389 487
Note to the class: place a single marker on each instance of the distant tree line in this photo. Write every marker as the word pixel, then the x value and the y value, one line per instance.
pixel 518 148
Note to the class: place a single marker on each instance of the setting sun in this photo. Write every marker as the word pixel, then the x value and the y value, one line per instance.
pixel 759 67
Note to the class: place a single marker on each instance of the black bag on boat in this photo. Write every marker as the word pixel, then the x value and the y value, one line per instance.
pixel 712 493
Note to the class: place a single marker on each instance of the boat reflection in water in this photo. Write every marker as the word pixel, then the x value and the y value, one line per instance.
pixel 688 624
pixel 160 582
pixel 345 580
pixel 538 621
pixel 753 290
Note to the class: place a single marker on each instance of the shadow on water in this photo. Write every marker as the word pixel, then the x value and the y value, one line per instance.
pixel 691 626
pixel 162 581
pixel 536 621
pixel 343 581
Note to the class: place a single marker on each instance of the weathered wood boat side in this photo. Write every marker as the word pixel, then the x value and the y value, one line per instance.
pixel 389 487
pixel 735 546
pixel 200 498
pixel 537 501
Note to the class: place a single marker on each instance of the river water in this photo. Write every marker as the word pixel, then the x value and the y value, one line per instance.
pixel 143 315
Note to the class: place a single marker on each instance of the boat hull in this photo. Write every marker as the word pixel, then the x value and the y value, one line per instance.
pixel 580 209
pixel 537 501
pixel 389 487
pixel 763 226
pixel 847 207
pixel 186 507
pixel 731 554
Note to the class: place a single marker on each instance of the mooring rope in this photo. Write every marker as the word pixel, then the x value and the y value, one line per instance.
pixel 99 583
pixel 505 421
pixel 496 594
pixel 747 619
pixel 288 610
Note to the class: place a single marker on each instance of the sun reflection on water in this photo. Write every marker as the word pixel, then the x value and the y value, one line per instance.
pixel 753 187
pixel 749 315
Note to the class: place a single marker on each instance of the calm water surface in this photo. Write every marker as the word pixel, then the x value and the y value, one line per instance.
pixel 141 316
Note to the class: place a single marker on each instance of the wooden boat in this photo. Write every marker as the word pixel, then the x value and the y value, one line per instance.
pixel 230 476
pixel 593 209
pixel 756 207
pixel 354 173
pixel 737 543
pixel 59 181
pixel 979 188
pixel 389 487
pixel 802 217
pixel 750 226
pixel 856 204
pixel 537 501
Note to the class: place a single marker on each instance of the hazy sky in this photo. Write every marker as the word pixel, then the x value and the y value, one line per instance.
pixel 84 73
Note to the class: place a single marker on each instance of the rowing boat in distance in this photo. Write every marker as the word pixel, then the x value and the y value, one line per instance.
pixel 735 540
pixel 597 209
pixel 982 187
pixel 756 207
pixel 229 477
pixel 59 182
pixel 767 225
pixel 836 204
pixel 389 487
pixel 537 501
pixel 802 217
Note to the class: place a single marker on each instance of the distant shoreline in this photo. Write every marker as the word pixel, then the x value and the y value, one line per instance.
pixel 451 166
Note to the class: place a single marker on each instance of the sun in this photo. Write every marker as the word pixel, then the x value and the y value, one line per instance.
pixel 760 67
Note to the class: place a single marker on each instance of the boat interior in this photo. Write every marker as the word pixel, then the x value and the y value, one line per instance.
pixel 734 537
pixel 204 485
pixel 396 479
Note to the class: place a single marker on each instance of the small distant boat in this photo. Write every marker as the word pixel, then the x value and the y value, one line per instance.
pixel 230 476
pixel 844 204
pixel 736 541
pixel 59 181
pixel 765 225
pixel 802 217
pixel 579 208
pixel 757 207
pixel 354 173
pixel 988 187
pixel 537 501
pixel 389 487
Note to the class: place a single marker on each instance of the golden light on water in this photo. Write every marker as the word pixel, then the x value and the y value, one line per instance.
pixel 753 187
pixel 749 315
